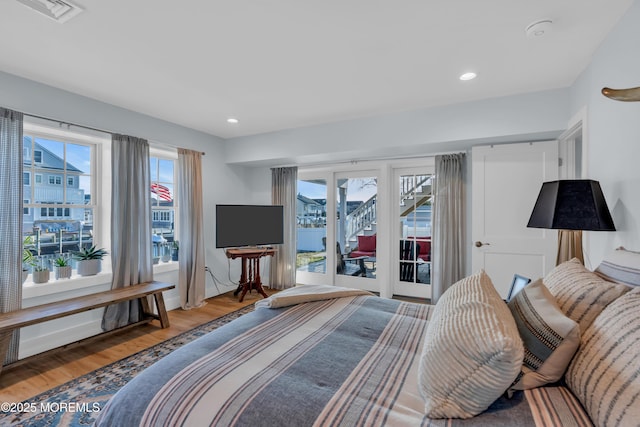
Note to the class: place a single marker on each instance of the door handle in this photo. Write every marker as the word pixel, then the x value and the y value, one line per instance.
pixel 479 244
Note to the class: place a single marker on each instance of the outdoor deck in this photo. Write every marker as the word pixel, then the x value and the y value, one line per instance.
pixel 353 268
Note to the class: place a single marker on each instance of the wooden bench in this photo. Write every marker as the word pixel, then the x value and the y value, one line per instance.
pixel 13 320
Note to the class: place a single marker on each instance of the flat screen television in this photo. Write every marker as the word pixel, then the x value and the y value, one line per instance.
pixel 249 225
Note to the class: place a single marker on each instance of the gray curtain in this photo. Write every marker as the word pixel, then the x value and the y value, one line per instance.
pixel 11 220
pixel 448 223
pixel 191 273
pixel 282 273
pixel 130 225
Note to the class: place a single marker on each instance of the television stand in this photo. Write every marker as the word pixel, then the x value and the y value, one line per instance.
pixel 250 275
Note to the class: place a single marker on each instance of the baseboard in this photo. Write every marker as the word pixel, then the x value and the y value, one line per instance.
pixel 41 342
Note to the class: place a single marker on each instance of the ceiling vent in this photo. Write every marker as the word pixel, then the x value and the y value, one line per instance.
pixel 58 10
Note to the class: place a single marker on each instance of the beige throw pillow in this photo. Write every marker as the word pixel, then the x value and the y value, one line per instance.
pixel 550 338
pixel 604 375
pixel 472 351
pixel 580 293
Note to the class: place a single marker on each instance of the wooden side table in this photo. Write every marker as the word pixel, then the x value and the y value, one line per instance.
pixel 250 275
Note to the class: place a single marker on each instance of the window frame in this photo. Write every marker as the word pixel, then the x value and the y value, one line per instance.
pixel 100 189
pixel 160 152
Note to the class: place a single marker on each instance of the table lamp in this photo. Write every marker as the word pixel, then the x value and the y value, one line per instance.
pixel 571 206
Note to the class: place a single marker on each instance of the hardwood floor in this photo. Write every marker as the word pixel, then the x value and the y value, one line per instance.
pixel 25 380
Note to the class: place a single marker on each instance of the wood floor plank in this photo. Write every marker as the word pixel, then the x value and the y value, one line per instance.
pixel 31 378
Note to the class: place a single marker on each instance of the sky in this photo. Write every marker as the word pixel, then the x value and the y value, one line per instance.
pixel 80 157
pixel 360 189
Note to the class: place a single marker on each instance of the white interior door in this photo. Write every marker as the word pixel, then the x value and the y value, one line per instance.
pixel 506 181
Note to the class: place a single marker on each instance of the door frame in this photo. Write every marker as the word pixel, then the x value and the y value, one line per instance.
pixel 386 242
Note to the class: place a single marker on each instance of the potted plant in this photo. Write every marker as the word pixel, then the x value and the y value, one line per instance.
pixel 176 248
pixel 89 260
pixel 61 268
pixel 40 274
pixel 165 250
pixel 28 260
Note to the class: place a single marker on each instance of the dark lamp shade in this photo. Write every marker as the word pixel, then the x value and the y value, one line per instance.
pixel 573 204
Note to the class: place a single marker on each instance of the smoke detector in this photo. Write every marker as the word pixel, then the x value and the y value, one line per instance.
pixel 58 10
pixel 539 29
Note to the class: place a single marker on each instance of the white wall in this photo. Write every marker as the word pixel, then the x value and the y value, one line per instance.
pixel 222 184
pixel 613 133
pixel 527 117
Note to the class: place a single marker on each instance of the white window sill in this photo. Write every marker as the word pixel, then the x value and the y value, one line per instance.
pixel 53 286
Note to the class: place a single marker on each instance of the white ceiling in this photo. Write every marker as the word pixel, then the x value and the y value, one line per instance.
pixel 289 63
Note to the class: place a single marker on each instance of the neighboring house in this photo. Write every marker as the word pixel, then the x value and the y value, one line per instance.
pixel 50 184
pixel 310 212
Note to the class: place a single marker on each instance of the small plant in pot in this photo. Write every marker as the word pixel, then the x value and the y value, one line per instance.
pixel 40 274
pixel 165 250
pixel 28 259
pixel 175 250
pixel 61 268
pixel 89 260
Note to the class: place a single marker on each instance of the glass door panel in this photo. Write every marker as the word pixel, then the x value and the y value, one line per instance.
pixel 414 197
pixel 356 226
pixel 311 216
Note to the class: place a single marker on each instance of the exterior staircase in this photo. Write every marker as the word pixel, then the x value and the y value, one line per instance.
pixel 414 187
pixel 362 221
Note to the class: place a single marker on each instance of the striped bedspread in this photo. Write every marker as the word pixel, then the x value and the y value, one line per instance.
pixel 340 362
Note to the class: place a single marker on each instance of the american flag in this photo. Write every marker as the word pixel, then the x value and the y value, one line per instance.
pixel 163 192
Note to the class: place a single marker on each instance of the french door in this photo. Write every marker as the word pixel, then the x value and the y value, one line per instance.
pixel 312 256
pixel 356 229
pixel 337 228
pixel 413 200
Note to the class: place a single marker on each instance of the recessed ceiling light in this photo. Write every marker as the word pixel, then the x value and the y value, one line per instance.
pixel 232 120
pixel 468 76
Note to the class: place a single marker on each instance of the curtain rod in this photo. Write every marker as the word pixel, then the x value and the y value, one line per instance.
pixel 373 159
pixel 35 116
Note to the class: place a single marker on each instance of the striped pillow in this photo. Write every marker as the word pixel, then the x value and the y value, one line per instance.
pixel 621 266
pixel 472 350
pixel 580 293
pixel 550 338
pixel 605 373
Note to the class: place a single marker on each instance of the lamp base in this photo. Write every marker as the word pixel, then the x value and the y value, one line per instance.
pixel 569 246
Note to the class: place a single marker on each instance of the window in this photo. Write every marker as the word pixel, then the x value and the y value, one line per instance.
pixel 66 201
pixel 55 180
pixel 163 203
pixel 57 217
pixel 311 218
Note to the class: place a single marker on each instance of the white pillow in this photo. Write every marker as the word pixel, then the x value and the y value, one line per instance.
pixel 621 266
pixel 472 351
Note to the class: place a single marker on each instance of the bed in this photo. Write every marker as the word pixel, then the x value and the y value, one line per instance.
pixel 355 359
